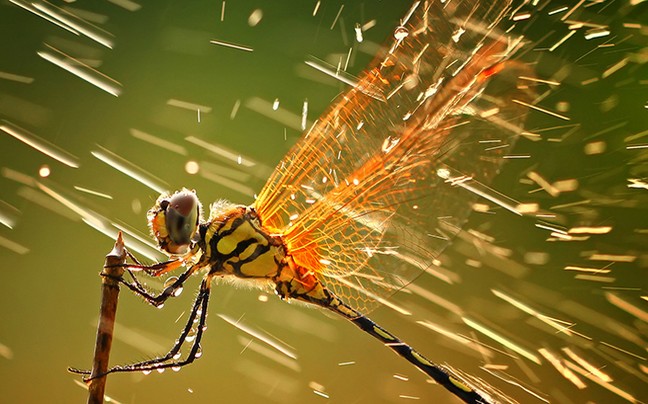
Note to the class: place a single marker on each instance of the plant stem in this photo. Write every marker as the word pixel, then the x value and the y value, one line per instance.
pixel 112 271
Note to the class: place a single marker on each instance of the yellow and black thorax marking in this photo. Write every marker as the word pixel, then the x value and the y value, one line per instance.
pixel 235 243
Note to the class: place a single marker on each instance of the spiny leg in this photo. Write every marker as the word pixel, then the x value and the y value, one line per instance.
pixel 156 270
pixel 201 305
pixel 169 291
pixel 162 362
pixel 153 270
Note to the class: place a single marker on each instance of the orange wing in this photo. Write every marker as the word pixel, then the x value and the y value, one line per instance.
pixel 364 199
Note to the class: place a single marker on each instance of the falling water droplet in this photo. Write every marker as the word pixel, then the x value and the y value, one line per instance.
pixel 44 171
pixel 255 17
pixel 192 167
pixel 358 32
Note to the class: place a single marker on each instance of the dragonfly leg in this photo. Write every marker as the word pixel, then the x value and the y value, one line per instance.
pixel 170 359
pixel 155 270
pixel 158 300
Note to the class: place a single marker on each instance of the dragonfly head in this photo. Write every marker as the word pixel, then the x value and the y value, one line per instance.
pixel 174 220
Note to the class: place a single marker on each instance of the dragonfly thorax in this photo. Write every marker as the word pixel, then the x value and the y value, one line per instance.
pixel 234 242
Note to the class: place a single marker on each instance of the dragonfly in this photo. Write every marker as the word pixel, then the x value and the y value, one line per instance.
pixel 372 192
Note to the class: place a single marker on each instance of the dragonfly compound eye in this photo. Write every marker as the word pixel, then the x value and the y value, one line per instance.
pixel 181 216
pixel 174 220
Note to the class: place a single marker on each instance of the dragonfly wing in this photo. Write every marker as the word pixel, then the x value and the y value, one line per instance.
pixel 369 197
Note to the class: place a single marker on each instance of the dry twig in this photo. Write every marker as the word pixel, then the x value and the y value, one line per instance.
pixel 112 271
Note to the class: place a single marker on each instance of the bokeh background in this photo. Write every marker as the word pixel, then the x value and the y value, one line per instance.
pixel 516 276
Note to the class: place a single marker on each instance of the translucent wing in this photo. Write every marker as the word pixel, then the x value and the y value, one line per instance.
pixel 370 195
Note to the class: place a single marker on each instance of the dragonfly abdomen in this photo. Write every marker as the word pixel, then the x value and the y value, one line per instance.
pixel 439 374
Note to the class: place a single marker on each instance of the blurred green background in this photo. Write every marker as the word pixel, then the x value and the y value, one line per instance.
pixel 50 298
